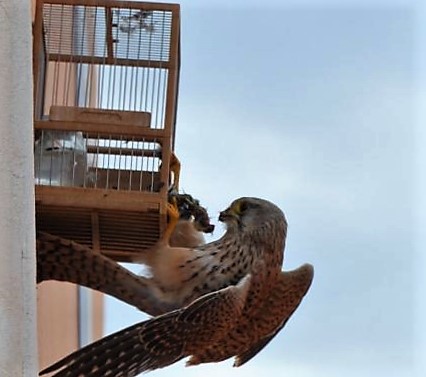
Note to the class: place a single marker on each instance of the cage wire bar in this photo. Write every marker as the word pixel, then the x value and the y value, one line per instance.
pixel 106 82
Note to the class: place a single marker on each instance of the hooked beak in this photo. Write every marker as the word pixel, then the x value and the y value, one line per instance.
pixel 227 215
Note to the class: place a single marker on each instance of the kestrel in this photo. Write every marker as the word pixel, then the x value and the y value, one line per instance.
pixel 64 260
pixel 232 297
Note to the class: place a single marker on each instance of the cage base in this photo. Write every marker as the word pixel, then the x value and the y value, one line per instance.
pixel 113 223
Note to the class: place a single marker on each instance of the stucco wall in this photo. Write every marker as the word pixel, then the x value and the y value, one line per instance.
pixel 18 346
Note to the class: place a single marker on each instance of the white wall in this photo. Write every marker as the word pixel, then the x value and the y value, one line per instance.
pixel 18 346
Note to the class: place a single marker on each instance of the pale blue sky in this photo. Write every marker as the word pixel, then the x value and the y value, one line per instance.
pixel 316 107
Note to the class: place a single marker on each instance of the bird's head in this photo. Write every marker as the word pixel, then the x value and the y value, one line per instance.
pixel 190 208
pixel 250 213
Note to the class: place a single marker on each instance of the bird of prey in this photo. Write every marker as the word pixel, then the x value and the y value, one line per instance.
pixel 231 297
pixel 64 260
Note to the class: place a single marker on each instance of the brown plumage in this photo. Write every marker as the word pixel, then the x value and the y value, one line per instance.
pixel 63 260
pixel 233 299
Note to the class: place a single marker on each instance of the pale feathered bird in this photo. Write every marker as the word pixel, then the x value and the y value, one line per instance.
pixel 232 297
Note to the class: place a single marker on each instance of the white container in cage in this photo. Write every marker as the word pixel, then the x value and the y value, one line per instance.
pixel 60 159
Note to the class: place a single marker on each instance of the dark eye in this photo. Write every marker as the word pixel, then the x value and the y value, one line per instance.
pixel 185 206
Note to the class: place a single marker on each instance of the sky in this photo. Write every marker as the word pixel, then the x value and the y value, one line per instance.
pixel 316 106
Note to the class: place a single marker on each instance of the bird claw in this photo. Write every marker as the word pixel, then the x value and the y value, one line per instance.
pixel 175 169
pixel 172 210
pixel 173 218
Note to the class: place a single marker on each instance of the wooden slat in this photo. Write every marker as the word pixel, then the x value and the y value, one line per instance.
pixel 128 231
pixel 38 58
pixel 110 60
pixel 120 4
pixel 120 232
pixel 124 151
pixel 94 115
pixel 70 223
pixel 78 197
pixel 172 79
pixel 109 38
pixel 96 237
pixel 93 129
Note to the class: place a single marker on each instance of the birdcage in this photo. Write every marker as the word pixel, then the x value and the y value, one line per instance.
pixel 105 97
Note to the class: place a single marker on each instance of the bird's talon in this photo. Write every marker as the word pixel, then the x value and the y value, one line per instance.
pixel 173 218
pixel 173 210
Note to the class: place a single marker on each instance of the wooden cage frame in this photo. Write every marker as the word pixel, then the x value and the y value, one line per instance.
pixel 109 221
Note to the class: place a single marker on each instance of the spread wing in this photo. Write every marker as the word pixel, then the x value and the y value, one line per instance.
pixel 261 321
pixel 285 298
pixel 160 341
pixel 64 260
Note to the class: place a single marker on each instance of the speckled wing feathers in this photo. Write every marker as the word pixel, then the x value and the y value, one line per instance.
pixel 285 298
pixel 160 341
pixel 263 317
pixel 64 260
pixel 219 319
